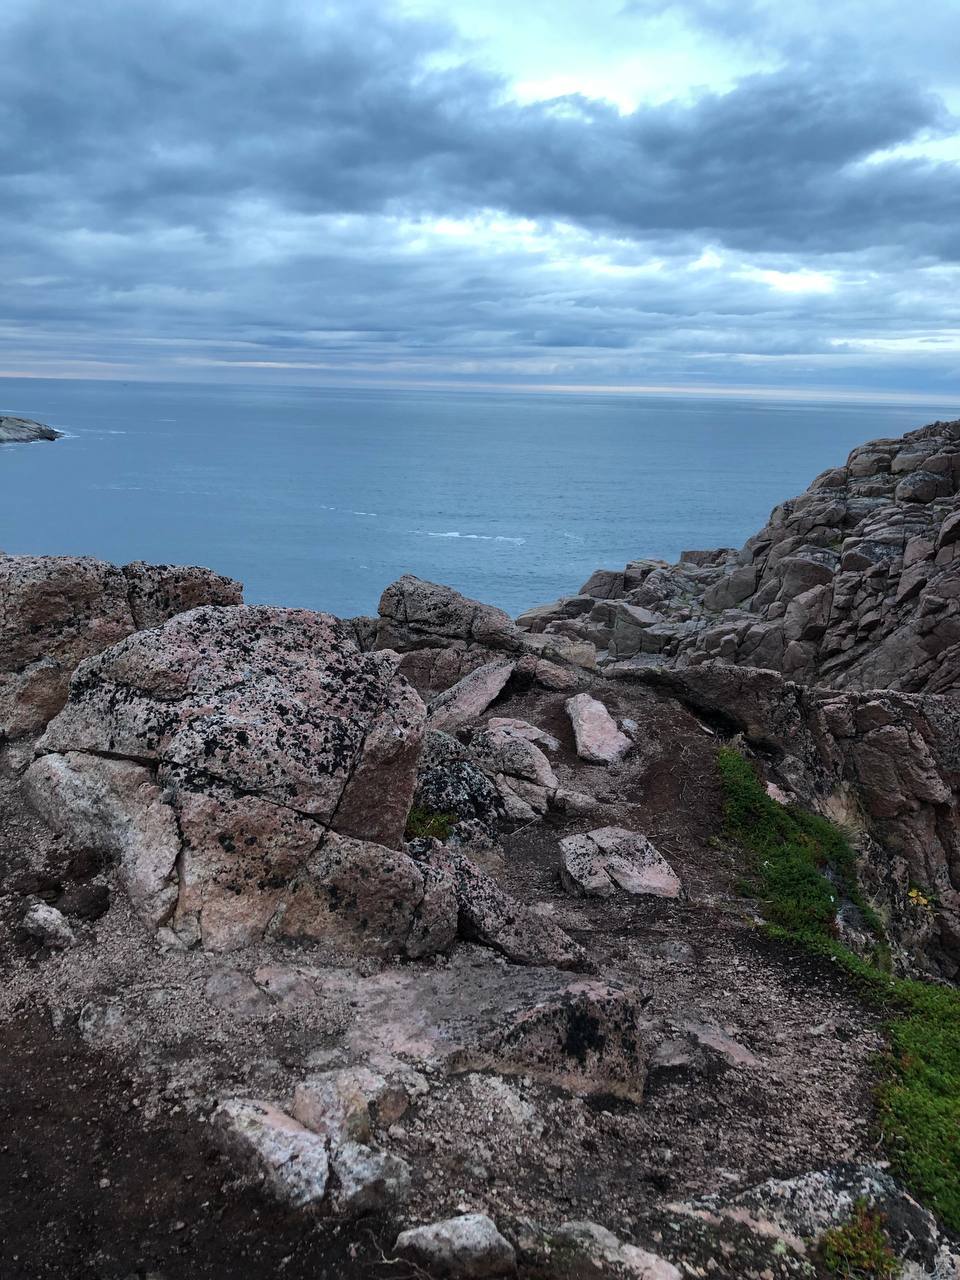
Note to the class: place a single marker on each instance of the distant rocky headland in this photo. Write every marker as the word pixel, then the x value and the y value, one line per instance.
pixel 618 939
pixel 24 431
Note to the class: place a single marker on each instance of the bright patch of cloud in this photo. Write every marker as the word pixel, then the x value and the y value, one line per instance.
pixel 802 281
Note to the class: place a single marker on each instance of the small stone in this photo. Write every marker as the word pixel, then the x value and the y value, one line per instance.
pixel 367 1180
pixel 596 863
pixel 49 926
pixel 469 1246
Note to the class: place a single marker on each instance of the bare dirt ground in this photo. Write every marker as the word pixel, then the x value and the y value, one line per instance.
pixel 114 1052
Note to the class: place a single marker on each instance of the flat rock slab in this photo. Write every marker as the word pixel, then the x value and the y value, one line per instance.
pixel 597 863
pixel 524 729
pixel 476 1012
pixel 598 739
pixel 470 697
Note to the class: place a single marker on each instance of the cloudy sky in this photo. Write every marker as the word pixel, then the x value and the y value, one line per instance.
pixel 699 193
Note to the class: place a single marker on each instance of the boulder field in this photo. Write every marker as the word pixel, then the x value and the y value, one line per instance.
pixel 424 944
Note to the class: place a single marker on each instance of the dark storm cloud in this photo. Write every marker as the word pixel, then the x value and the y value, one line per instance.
pixel 130 113
pixel 246 181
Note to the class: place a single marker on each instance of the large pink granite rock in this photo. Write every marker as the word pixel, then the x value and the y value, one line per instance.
pixel 57 610
pixel 252 771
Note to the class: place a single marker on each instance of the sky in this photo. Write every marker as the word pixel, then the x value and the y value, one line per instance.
pixel 624 194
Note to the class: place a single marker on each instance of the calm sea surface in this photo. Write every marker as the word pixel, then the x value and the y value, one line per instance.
pixel 320 498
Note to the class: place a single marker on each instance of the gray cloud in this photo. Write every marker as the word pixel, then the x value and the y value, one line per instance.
pixel 252 182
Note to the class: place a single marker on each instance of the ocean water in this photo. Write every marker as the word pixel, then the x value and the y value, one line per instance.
pixel 320 498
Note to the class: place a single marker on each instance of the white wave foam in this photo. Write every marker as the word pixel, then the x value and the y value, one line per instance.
pixel 347 511
pixel 476 537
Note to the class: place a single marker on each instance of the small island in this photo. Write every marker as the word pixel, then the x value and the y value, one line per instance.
pixel 24 431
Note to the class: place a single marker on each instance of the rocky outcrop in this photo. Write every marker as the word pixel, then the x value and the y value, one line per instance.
pixel 885 765
pixel 794 1213
pixel 57 610
pixel 25 431
pixel 252 772
pixel 444 636
pixel 496 773
pixel 854 584
pixel 398 1019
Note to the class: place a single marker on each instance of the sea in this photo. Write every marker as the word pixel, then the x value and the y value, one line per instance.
pixel 321 497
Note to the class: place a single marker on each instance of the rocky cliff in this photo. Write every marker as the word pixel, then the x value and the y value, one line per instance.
pixel 855 584
pixel 444 944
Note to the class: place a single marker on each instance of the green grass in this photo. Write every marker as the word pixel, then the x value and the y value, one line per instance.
pixel 860 1249
pixel 799 865
pixel 421 822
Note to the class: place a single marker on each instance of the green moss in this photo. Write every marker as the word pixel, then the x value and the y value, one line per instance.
pixel 799 865
pixel 422 823
pixel 860 1249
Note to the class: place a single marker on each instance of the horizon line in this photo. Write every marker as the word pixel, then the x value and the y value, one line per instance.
pixel 613 389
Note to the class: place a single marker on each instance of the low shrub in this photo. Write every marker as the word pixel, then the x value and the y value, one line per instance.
pixel 860 1249
pixel 422 823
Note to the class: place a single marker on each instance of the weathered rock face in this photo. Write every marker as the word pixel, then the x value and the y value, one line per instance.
pixel 252 772
pixel 854 584
pixel 25 431
pixel 795 1211
pixel 882 763
pixel 421 615
pixel 444 636
pixel 57 610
